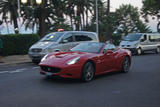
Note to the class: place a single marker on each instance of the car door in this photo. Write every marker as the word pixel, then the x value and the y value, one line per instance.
pixel 66 42
pixel 144 42
pixel 109 58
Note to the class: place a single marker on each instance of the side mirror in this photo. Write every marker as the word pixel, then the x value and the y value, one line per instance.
pixel 65 41
pixel 108 52
pixel 57 50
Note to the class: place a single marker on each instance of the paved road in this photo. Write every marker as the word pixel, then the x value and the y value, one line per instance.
pixel 23 86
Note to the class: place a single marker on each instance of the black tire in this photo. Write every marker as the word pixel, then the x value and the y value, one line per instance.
pixel 126 64
pixel 88 72
pixel 158 50
pixel 36 62
pixel 139 51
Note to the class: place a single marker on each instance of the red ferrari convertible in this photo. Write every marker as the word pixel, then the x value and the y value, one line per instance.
pixel 86 60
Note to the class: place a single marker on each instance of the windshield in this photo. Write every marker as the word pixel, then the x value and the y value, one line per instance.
pixel 91 47
pixel 52 37
pixel 132 37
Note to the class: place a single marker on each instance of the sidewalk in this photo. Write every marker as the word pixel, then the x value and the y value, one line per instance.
pixel 15 59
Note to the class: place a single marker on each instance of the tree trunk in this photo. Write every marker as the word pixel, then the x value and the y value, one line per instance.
pixel 87 18
pixel 42 24
pixel 78 19
pixel 14 17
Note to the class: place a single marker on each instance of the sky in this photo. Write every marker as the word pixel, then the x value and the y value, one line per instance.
pixel 116 3
pixel 136 3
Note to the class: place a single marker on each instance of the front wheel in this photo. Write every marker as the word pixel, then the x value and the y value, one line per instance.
pixel 158 50
pixel 126 64
pixel 139 51
pixel 88 72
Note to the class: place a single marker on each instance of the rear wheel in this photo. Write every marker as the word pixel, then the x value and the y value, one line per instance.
pixel 126 64
pixel 158 50
pixel 88 72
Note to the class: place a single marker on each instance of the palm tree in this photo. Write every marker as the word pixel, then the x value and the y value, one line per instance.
pixel 9 7
pixel 77 10
pixel 39 15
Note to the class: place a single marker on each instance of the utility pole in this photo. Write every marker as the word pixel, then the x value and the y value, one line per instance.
pixel 19 15
pixel 97 28
pixel 108 30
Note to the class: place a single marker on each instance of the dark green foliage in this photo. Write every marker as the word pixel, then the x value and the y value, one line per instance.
pixel 116 39
pixel 16 44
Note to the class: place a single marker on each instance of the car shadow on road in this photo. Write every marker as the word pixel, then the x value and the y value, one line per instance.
pixel 146 53
pixel 59 80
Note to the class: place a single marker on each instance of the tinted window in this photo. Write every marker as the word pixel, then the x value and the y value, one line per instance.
pixel 132 37
pixel 68 38
pixel 91 47
pixel 154 38
pixel 53 37
pixel 82 38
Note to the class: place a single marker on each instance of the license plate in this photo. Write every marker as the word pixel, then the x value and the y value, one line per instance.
pixel 48 73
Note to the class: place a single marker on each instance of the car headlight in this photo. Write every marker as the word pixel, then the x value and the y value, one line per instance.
pixel 73 61
pixel 44 58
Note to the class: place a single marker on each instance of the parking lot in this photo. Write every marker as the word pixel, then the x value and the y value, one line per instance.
pixel 21 85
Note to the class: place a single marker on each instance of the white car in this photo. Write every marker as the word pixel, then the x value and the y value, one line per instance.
pixel 59 41
pixel 141 42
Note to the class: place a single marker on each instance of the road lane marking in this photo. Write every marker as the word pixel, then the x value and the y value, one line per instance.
pixel 18 70
pixel 35 67
pixel 4 72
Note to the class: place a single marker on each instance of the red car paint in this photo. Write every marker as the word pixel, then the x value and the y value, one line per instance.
pixel 103 62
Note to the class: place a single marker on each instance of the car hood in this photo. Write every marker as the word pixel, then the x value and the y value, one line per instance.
pixel 128 42
pixel 61 58
pixel 43 45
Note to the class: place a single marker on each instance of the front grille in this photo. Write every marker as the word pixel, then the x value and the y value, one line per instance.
pixel 50 69
pixel 36 50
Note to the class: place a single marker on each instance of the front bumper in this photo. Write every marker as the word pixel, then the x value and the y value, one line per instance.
pixel 72 71
pixel 133 50
pixel 36 56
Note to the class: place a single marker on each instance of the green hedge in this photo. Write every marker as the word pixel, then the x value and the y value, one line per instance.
pixel 18 44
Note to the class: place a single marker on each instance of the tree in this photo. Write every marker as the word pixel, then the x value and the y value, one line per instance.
pixel 128 21
pixel 78 10
pixel 9 7
pixel 151 8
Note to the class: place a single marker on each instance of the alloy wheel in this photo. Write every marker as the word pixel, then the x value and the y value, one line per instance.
pixel 88 72
pixel 126 64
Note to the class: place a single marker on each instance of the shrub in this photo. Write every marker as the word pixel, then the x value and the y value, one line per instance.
pixel 18 44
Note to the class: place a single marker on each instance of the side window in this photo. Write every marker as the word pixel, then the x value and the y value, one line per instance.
pixel 67 38
pixel 154 38
pixel 93 36
pixel 109 47
pixel 82 37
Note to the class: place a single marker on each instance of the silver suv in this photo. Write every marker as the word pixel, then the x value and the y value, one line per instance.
pixel 59 41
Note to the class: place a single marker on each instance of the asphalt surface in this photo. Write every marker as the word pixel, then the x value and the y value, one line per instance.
pixel 22 86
